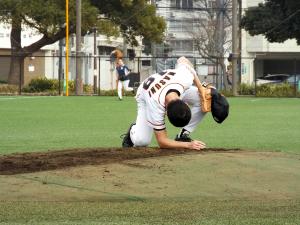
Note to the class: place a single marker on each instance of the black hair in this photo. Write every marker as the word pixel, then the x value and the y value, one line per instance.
pixel 179 113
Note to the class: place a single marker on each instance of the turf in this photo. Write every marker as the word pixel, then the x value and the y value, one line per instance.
pixel 249 187
pixel 153 212
pixel 53 123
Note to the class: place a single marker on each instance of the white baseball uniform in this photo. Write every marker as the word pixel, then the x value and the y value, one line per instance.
pixel 150 99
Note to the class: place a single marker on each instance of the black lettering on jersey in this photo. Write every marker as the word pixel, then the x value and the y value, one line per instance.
pixel 153 90
pixel 162 82
pixel 166 78
pixel 148 82
pixel 157 86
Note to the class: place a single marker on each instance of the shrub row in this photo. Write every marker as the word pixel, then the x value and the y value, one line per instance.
pixel 269 90
pixel 9 89
pixel 51 86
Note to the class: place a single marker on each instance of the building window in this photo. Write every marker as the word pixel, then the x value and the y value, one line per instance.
pixel 212 4
pixel 105 50
pixel 182 45
pixel 182 4
pixel 181 26
pixel 146 62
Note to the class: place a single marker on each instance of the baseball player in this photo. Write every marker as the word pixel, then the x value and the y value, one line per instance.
pixel 122 79
pixel 171 93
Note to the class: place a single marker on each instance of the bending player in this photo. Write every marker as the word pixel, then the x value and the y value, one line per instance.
pixel 172 92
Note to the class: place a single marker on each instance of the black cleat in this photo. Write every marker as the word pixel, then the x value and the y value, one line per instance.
pixel 185 137
pixel 127 143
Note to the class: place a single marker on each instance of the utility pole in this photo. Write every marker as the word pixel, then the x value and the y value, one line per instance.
pixel 220 41
pixel 78 88
pixel 153 47
pixel 235 45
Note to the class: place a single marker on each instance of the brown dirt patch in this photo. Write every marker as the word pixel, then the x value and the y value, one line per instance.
pixel 53 160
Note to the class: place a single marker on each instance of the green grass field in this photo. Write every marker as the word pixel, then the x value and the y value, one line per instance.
pixel 53 123
pixel 256 186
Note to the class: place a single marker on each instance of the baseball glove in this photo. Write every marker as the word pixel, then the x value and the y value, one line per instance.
pixel 205 97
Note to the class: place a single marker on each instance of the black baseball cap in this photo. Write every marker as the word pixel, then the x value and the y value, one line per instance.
pixel 219 106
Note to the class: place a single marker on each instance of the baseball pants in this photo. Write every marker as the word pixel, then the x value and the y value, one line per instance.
pixel 124 84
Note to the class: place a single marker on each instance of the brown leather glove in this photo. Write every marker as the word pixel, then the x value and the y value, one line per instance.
pixel 205 98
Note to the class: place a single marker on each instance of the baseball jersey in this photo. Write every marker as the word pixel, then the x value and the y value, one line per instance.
pixel 154 89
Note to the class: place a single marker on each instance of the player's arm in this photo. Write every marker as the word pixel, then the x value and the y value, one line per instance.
pixel 165 142
pixel 190 67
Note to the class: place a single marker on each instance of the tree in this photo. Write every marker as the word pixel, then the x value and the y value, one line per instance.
pixel 133 18
pixel 47 17
pixel 277 20
pixel 212 33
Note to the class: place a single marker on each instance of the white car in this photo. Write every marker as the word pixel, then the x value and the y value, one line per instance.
pixel 272 79
pixel 291 80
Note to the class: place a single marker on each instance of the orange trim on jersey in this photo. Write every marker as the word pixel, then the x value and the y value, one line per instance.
pixel 162 91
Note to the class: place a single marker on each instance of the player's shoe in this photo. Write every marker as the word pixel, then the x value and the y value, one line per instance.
pixel 127 143
pixel 185 137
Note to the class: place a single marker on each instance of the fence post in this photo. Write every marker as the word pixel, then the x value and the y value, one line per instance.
pixel 295 77
pixel 139 67
pixel 20 77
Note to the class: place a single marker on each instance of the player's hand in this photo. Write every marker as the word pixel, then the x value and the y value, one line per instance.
pixel 197 145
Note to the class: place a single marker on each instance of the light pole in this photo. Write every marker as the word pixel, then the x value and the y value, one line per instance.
pixel 67 47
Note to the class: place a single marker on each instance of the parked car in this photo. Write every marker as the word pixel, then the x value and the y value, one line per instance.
pixel 291 80
pixel 272 79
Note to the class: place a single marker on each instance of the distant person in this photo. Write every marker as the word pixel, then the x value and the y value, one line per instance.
pixel 122 78
pixel 173 94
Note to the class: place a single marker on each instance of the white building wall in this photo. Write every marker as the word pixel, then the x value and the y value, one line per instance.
pixel 256 46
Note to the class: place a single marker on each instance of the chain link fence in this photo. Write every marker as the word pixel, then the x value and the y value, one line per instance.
pixel 45 74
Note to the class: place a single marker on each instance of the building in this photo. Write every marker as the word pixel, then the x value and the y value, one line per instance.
pixel 189 21
pixel 260 57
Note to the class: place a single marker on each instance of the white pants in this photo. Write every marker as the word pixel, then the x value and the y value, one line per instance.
pixel 141 133
pixel 124 84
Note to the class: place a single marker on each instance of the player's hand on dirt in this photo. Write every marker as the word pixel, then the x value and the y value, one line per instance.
pixel 197 145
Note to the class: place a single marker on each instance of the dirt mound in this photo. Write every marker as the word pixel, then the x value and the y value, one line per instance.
pixel 52 160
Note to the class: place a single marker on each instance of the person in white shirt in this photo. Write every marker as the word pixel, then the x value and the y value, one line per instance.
pixel 170 93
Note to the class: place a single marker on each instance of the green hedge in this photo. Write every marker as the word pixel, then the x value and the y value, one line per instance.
pixel 269 90
pixel 246 89
pixel 51 86
pixel 41 85
pixel 9 89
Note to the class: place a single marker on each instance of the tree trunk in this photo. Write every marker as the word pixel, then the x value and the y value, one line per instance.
pixel 16 71
pixel 18 54
pixel 225 75
pixel 16 75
